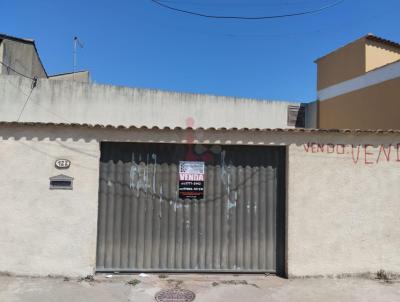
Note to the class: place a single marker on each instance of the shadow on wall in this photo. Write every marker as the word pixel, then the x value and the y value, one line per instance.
pixel 267 137
pixel 311 114
pixel 86 133
pixel 302 115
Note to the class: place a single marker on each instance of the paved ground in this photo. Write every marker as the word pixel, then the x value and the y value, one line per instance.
pixel 206 287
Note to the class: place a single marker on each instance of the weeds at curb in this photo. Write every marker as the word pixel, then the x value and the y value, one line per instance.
pixel 133 282
pixel 234 282
pixel 88 278
pixel 177 284
pixel 383 276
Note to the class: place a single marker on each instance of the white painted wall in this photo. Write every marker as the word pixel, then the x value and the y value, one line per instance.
pixel 47 231
pixel 342 216
pixel 72 102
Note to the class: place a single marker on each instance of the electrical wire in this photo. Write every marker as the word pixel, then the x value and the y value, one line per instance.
pixel 247 18
pixel 27 99
pixel 263 3
pixel 33 85
pixel 38 105
pixel 17 72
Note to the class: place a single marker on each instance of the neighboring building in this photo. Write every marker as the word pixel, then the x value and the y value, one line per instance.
pixel 20 56
pixel 359 86
pixel 77 76
pixel 75 102
pixel 99 178
pixel 106 104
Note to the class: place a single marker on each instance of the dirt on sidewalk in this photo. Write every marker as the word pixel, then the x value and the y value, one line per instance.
pixel 207 288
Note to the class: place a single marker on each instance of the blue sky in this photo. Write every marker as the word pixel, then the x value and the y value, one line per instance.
pixel 136 43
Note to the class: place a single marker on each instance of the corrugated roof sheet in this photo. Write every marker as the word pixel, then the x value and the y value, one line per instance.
pixel 370 37
pixel 287 130
pixel 382 40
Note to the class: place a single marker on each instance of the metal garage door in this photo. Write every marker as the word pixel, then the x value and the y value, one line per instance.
pixel 144 225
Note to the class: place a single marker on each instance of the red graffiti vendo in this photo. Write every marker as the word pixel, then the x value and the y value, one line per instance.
pixel 368 154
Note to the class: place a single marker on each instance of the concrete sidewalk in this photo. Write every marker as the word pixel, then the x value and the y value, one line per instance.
pixel 207 288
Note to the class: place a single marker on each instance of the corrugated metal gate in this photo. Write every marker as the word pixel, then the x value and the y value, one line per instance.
pixel 237 226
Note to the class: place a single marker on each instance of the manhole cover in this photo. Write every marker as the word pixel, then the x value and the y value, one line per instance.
pixel 175 295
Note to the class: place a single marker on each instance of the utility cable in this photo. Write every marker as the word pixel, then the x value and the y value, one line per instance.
pixel 33 85
pixel 17 72
pixel 261 3
pixel 247 18
pixel 36 104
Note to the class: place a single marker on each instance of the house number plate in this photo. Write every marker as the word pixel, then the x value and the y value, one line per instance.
pixel 62 163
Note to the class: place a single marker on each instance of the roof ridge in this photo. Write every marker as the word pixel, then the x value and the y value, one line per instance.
pixel 287 130
pixel 5 36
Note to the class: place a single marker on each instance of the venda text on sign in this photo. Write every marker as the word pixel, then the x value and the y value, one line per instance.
pixel 191 179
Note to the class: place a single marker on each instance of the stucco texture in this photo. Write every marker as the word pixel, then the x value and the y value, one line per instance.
pixel 373 107
pixel 342 64
pixel 342 197
pixel 343 209
pixel 22 56
pixel 47 231
pixel 73 102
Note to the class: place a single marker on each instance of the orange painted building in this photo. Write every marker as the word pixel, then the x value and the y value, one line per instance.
pixel 359 86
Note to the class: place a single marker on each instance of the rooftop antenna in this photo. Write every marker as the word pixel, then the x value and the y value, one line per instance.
pixel 76 44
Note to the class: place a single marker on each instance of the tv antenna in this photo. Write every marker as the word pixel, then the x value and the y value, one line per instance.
pixel 77 44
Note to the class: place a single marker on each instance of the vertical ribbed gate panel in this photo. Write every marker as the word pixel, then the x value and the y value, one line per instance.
pixel 237 226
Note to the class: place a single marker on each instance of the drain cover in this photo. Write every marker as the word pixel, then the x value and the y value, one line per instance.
pixel 175 295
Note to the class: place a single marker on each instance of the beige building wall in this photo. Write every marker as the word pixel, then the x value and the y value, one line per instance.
pixel 379 54
pixel 47 232
pixel 343 205
pixel 330 231
pixel 353 60
pixel 373 107
pixel 343 64
pixel 358 86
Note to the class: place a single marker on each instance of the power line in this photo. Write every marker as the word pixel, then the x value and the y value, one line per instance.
pixel 17 72
pixel 248 18
pixel 36 104
pixel 263 3
pixel 33 85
